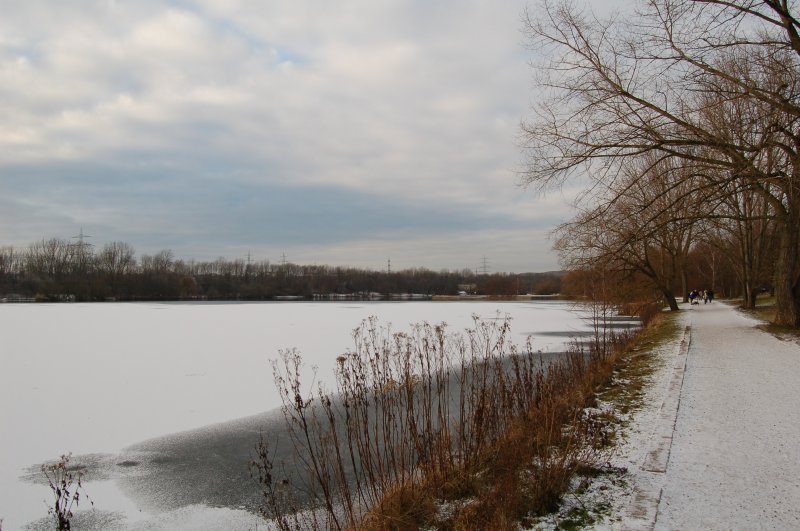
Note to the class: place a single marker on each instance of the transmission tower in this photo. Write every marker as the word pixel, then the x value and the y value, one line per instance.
pixel 80 237
pixel 248 265
pixel 484 267
pixel 81 248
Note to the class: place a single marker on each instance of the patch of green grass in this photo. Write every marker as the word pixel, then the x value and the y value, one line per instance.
pixel 576 518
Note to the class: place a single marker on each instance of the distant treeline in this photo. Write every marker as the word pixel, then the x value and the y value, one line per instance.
pixel 56 269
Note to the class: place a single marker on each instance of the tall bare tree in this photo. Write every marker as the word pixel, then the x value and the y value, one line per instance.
pixel 642 83
pixel 10 260
pixel 52 258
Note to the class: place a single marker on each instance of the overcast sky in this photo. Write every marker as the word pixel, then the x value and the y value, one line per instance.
pixel 344 133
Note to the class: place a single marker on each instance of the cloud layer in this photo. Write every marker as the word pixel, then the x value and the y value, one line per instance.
pixel 335 133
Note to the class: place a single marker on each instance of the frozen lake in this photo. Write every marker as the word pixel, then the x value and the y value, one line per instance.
pixel 98 378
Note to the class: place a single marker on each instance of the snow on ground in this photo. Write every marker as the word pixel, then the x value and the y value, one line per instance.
pixel 735 460
pixel 717 443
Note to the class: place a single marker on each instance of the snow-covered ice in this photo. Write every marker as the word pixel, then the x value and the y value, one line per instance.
pixel 96 378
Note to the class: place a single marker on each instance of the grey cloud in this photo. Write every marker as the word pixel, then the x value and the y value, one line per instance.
pixel 210 117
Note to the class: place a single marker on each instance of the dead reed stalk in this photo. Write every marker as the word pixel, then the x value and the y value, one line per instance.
pixel 422 418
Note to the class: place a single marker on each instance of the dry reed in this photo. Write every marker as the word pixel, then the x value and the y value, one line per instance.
pixel 431 428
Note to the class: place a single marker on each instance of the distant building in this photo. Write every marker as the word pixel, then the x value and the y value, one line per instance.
pixel 467 289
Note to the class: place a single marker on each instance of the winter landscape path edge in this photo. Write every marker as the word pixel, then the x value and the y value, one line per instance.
pixel 643 509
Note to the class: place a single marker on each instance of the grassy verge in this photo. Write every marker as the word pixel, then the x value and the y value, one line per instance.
pixel 430 430
pixel 765 311
pixel 587 501
pixel 625 390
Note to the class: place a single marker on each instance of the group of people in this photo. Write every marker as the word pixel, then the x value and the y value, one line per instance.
pixel 707 295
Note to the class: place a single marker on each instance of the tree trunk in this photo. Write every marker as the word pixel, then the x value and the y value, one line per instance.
pixel 748 294
pixel 684 284
pixel 669 298
pixel 751 303
pixel 787 272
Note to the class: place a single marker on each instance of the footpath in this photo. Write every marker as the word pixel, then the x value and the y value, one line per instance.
pixel 720 446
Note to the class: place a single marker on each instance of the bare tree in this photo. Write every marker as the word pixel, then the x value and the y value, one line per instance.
pixel 116 260
pixel 9 260
pixel 745 219
pixel 645 223
pixel 51 257
pixel 642 83
pixel 157 264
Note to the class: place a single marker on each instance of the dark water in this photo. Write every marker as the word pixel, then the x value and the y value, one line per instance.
pixel 209 466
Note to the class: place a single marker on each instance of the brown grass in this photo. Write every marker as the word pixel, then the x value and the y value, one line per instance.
pixel 430 429
pixel 531 466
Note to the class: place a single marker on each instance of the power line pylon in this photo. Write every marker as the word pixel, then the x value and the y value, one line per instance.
pixel 484 267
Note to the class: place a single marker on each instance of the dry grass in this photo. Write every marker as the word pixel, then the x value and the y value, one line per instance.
pixel 586 502
pixel 65 483
pixel 526 473
pixel 433 430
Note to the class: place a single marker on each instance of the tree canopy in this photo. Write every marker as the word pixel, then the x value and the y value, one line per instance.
pixel 707 88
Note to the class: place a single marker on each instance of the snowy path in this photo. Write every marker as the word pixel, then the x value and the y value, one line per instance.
pixel 735 457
